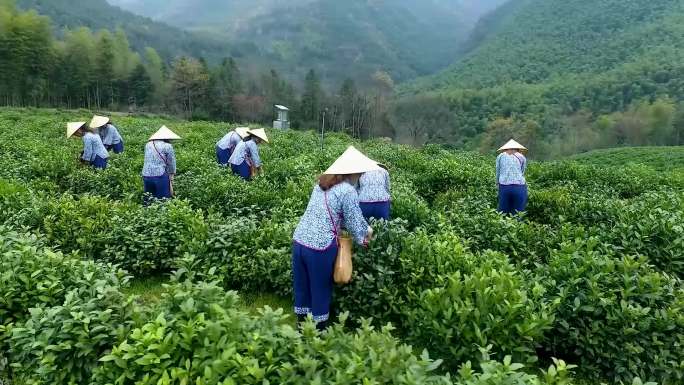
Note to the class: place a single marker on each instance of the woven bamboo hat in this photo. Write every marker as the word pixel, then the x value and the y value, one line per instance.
pixel 98 121
pixel 72 127
pixel 352 161
pixel 242 131
pixel 259 133
pixel 164 133
pixel 513 145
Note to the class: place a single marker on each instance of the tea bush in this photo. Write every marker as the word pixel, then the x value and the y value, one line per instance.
pixel 33 275
pixel 490 306
pixel 61 344
pixel 446 254
pixel 616 316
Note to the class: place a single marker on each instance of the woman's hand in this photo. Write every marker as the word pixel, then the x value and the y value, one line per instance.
pixel 369 235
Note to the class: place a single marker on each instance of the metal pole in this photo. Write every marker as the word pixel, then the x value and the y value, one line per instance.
pixel 323 130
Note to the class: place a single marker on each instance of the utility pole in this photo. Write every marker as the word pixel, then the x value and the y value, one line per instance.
pixel 323 129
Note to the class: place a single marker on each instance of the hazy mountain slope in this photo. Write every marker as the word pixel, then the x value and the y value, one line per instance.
pixel 566 76
pixel 351 38
pixel 141 31
pixel 539 39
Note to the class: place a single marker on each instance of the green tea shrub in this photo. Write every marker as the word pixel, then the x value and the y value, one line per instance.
pixel 251 254
pixel 62 344
pixel 489 306
pixel 201 337
pixel 32 275
pixel 617 317
pixel 396 267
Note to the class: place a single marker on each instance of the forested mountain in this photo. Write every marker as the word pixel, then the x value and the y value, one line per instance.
pixel 142 32
pixel 571 75
pixel 355 38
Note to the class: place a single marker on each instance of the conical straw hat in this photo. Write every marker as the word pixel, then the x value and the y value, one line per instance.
pixel 242 131
pixel 164 134
pixel 352 162
pixel 98 121
pixel 513 145
pixel 73 127
pixel 259 133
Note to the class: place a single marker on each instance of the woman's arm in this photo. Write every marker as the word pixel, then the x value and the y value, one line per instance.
pixel 353 218
pixel 87 148
pixel 254 151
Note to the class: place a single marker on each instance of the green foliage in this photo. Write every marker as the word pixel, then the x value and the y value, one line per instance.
pixel 201 337
pixel 490 306
pixel 587 74
pixel 616 316
pixel 61 344
pixel 447 256
pixel 33 275
pixel 655 157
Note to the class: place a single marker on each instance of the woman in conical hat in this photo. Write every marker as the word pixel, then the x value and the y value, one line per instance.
pixel 109 134
pixel 245 160
pixel 374 194
pixel 160 165
pixel 510 177
pixel 94 152
pixel 334 204
pixel 227 144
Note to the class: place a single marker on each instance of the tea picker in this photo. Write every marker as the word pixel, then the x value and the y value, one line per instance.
pixel 160 165
pixel 109 134
pixel 374 194
pixel 316 259
pixel 245 160
pixel 227 144
pixel 94 152
pixel 510 178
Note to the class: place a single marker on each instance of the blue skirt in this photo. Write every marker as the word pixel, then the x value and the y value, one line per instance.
pixel 512 198
pixel 158 187
pixel 242 170
pixel 223 155
pixel 377 210
pixel 118 147
pixel 99 163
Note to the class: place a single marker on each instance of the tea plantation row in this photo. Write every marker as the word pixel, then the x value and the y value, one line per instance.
pixel 592 275
pixel 67 321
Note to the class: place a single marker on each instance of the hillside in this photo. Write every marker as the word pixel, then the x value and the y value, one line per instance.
pixel 564 68
pixel 339 39
pixel 142 32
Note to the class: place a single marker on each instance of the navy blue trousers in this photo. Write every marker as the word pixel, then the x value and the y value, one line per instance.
pixel 512 198
pixel 243 170
pixel 377 210
pixel 313 280
pixel 99 163
pixel 158 187
pixel 222 156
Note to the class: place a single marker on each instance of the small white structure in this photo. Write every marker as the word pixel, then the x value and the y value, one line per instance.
pixel 282 122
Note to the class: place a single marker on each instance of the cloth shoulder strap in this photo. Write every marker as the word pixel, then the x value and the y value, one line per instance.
pixel 159 153
pixel 332 222
pixel 521 161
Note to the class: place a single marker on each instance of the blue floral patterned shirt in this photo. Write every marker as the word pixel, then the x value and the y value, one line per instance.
pixel 110 135
pixel 230 140
pixel 315 229
pixel 246 150
pixel 92 147
pixel 159 159
pixel 510 169
pixel 374 186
